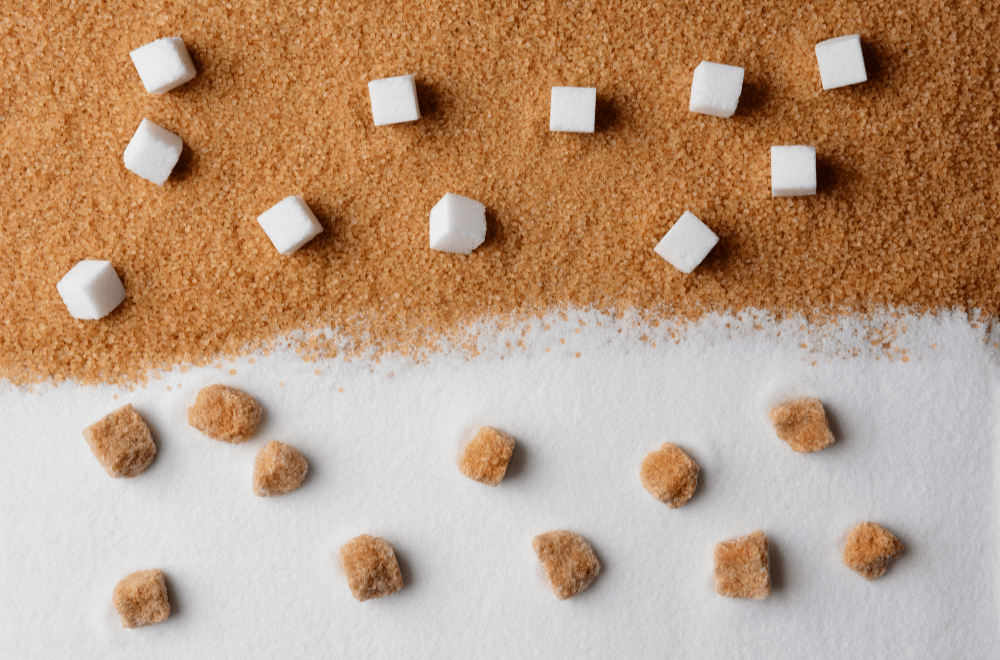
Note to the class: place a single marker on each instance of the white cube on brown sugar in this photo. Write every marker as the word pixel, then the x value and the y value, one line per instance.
pixel 793 171
pixel 163 64
pixel 394 100
pixel 841 62
pixel 91 289
pixel 687 243
pixel 290 224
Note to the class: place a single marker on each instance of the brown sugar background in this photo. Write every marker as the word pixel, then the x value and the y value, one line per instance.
pixel 905 213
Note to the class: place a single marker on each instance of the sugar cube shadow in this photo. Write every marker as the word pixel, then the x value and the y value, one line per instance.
pixel 753 98
pixel 186 167
pixel 405 569
pixel 518 463
pixel 176 602
pixel 607 114
pixel 777 566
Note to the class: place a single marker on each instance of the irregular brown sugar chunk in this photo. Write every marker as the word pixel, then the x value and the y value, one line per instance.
pixel 371 567
pixel 225 413
pixel 869 549
pixel 802 424
pixel 742 567
pixel 568 561
pixel 278 469
pixel 669 475
pixel 121 442
pixel 486 456
pixel 141 599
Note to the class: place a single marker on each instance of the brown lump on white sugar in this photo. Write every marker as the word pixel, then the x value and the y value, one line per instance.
pixel 122 443
pixel 486 456
pixel 141 599
pixel 371 567
pixel 869 549
pixel 802 424
pixel 225 413
pixel 278 469
pixel 568 561
pixel 670 475
pixel 743 567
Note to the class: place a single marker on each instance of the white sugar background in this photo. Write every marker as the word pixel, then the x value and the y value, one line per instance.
pixel 258 578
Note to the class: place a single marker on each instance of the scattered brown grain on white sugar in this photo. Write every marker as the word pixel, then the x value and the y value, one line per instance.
pixel 371 567
pixel 743 567
pixel 225 413
pixel 869 549
pixel 802 424
pixel 670 475
pixel 141 599
pixel 568 560
pixel 485 457
pixel 122 443
pixel 278 469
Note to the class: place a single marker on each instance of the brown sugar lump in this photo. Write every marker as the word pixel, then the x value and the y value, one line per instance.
pixel 742 567
pixel 486 456
pixel 225 413
pixel 122 443
pixel 278 469
pixel 568 561
pixel 141 599
pixel 371 567
pixel 669 475
pixel 869 549
pixel 802 424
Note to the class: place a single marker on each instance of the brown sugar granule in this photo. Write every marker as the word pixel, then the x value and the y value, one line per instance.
pixel 371 567
pixel 568 561
pixel 204 280
pixel 225 413
pixel 278 469
pixel 802 424
pixel 122 443
pixel 669 475
pixel 485 457
pixel 869 549
pixel 141 599
pixel 742 567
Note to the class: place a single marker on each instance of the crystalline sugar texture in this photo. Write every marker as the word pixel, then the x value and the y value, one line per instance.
pixel 163 64
pixel 91 289
pixel 715 89
pixel 458 224
pixel 687 243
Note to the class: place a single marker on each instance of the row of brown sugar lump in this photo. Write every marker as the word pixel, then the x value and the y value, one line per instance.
pixel 123 445
pixel 92 289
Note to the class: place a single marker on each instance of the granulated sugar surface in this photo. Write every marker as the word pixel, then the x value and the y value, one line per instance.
pixel 903 217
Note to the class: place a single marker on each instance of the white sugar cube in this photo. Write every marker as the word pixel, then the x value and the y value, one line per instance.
pixel 290 224
pixel 841 62
pixel 458 224
pixel 394 100
pixel 687 243
pixel 91 289
pixel 715 89
pixel 573 109
pixel 793 171
pixel 152 152
pixel 163 64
